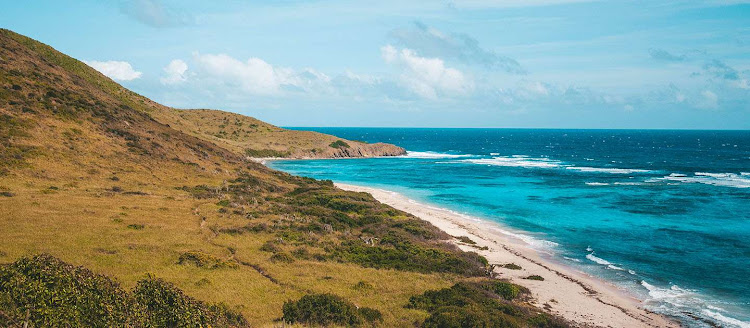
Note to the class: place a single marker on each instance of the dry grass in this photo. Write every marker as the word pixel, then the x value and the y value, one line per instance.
pixel 87 226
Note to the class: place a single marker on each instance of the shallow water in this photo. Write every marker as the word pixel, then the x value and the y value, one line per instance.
pixel 663 214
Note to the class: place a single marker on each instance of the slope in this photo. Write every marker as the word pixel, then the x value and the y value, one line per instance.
pixel 91 174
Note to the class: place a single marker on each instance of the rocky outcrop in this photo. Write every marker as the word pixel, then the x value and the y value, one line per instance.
pixel 353 150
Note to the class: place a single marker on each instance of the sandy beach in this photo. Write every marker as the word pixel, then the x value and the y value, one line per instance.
pixel 574 295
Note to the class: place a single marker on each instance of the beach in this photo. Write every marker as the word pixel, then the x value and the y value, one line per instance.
pixel 569 293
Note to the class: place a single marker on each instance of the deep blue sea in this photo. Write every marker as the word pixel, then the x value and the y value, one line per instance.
pixel 663 214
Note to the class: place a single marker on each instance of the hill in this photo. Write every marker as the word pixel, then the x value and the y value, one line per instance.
pixel 97 176
pixel 255 138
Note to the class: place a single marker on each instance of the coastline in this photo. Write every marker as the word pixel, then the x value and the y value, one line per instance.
pixel 578 297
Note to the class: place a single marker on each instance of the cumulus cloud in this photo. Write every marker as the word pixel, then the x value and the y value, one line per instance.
pixel 430 42
pixel 427 77
pixel 661 54
pixel 257 76
pixel 116 70
pixel 176 72
pixel 154 13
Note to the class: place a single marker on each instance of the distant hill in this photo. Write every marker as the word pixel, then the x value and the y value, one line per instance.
pixel 255 138
pixel 164 201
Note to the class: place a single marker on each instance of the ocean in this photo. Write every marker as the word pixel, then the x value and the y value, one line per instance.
pixel 662 214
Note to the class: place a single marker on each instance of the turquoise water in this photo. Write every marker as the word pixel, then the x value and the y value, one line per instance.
pixel 663 214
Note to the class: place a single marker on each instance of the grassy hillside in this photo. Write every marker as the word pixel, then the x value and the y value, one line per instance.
pixel 97 176
pixel 256 138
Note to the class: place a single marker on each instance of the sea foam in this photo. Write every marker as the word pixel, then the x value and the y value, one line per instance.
pixel 679 301
pixel 545 163
pixel 606 170
pixel 591 257
pixel 733 180
pixel 432 155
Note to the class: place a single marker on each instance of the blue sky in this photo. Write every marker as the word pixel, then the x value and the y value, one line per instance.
pixel 459 63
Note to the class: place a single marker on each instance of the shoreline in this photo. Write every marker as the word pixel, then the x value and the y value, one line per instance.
pixel 574 295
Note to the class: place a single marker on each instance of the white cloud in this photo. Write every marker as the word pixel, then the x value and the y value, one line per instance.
pixel 709 100
pixel 116 70
pixel 256 76
pixel 175 72
pixel 427 77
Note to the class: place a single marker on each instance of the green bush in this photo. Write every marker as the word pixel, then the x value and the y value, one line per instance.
pixel 203 260
pixel 43 291
pixel 321 309
pixel 370 315
pixel 466 240
pixel 535 277
pixel 55 294
pixel 339 144
pixel 512 266
pixel 410 257
pixel 486 303
pixel 281 258
pixel 167 306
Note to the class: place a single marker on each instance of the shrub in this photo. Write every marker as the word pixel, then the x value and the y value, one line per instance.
pixel 370 314
pixel 339 144
pixel 281 258
pixel 535 277
pixel 466 240
pixel 485 303
pixel 167 306
pixel 505 290
pixel 56 294
pixel 363 286
pixel 271 247
pixel 327 309
pixel 511 266
pixel 410 257
pixel 136 226
pixel 43 291
pixel 203 260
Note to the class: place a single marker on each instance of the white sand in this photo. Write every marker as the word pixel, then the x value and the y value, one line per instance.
pixel 569 293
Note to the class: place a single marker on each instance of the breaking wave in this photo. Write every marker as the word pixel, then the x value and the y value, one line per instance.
pixel 741 180
pixel 432 155
pixel 546 163
pixel 684 302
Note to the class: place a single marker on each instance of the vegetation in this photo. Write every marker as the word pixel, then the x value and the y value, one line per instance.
pixel 328 309
pixel 203 260
pixel 535 277
pixel 511 266
pixel 486 303
pixel 45 292
pixel 466 240
pixel 339 144
pixel 99 176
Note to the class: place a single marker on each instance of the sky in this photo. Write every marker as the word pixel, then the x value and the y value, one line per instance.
pixel 414 63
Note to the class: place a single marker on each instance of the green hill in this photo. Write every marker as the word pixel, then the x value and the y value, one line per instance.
pixel 162 204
